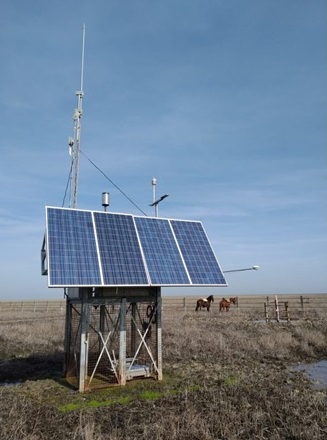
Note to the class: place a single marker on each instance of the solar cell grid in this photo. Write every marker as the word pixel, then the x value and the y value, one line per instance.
pixel 72 249
pixel 197 253
pixel 120 253
pixel 161 252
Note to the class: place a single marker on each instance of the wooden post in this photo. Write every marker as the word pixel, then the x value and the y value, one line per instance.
pixel 302 305
pixel 184 304
pixel 276 308
pixel 287 312
pixel 266 306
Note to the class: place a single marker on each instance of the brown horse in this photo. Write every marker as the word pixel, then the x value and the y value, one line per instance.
pixel 204 303
pixel 226 303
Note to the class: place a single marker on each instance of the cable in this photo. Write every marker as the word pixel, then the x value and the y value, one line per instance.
pixel 69 177
pixel 116 186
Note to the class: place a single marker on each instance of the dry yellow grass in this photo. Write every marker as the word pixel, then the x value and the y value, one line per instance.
pixel 225 377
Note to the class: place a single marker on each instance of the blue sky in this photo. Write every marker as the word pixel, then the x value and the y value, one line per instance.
pixel 224 102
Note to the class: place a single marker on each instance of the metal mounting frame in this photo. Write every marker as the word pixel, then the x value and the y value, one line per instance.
pixel 114 331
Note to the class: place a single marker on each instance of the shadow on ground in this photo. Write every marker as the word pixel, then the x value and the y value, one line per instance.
pixel 35 367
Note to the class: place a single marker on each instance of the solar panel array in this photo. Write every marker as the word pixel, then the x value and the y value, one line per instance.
pixel 91 248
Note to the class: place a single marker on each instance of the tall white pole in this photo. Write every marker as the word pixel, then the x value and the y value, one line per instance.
pixel 154 183
pixel 74 143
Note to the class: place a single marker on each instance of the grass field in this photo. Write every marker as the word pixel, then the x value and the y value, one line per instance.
pixel 226 376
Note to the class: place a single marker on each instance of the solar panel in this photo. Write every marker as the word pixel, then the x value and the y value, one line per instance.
pixel 72 252
pixel 198 255
pixel 88 248
pixel 161 253
pixel 120 253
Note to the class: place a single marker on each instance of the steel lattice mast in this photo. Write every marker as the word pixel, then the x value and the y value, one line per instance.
pixel 74 142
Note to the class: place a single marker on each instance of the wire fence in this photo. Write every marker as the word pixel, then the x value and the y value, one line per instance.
pixel 298 305
pixel 33 307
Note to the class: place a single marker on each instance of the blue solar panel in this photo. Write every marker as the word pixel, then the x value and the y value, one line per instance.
pixel 120 253
pixel 198 255
pixel 72 253
pixel 161 253
pixel 86 248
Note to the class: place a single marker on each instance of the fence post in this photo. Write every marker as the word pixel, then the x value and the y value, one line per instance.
pixel 184 303
pixel 287 312
pixel 276 308
pixel 302 305
pixel 266 306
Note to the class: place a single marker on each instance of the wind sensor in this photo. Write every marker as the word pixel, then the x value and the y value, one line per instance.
pixel 155 202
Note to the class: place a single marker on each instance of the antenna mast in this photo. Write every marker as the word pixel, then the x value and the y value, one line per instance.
pixel 74 142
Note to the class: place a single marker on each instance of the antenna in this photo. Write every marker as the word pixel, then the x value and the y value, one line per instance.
pixel 74 142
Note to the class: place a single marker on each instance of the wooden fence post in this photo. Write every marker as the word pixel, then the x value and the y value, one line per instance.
pixel 287 312
pixel 276 308
pixel 266 306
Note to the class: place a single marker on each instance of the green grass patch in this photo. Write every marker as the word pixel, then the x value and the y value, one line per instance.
pixel 69 407
pixel 65 400
pixel 231 380
pixel 151 395
pixel 195 387
pixel 133 391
